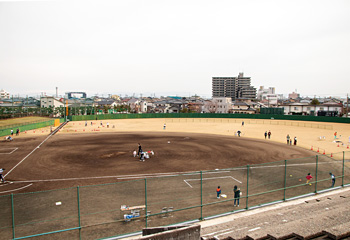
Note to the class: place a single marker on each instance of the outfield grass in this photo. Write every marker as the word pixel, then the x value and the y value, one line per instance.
pixel 7 123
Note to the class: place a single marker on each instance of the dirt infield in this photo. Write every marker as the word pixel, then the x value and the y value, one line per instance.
pixel 82 155
pixel 89 150
pixel 95 158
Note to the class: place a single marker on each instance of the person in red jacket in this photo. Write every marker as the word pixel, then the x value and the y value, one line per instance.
pixel 308 177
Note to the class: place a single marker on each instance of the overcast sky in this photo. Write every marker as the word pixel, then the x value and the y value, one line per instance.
pixel 174 47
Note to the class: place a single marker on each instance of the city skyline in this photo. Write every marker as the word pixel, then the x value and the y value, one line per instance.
pixel 173 48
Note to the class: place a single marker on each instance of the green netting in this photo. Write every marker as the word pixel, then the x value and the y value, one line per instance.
pixel 296 172
pixel 346 168
pixel 115 209
pixel 6 230
pixel 226 179
pixel 327 165
pixel 42 212
pixel 266 182
pixel 173 193
pixel 107 204
pixel 218 115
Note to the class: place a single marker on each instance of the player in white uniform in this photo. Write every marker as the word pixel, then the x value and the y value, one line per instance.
pixel 1 177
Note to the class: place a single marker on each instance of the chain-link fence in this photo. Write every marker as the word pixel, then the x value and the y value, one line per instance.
pixel 116 209
pixel 269 118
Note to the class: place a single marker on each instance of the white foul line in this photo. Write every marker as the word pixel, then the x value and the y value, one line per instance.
pixel 187 180
pixel 29 154
pixel 17 188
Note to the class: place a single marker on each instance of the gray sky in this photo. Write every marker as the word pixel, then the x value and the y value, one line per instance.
pixel 174 47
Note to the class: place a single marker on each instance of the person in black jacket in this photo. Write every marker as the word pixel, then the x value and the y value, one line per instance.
pixel 237 195
pixel 139 150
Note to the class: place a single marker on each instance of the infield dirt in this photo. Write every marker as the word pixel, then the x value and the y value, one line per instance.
pixel 84 152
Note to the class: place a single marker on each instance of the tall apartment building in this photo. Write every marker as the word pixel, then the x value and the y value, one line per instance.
pixel 233 87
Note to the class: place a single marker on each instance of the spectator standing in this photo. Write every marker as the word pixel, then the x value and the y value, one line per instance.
pixel 295 140
pixel 17 132
pixel 332 178
pixel 265 134
pixel 237 195
pixel 269 134
pixel 288 138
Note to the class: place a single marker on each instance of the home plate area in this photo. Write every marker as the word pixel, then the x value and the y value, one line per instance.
pixel 7 150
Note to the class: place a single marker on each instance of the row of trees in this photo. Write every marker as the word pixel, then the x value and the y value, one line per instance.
pixel 11 112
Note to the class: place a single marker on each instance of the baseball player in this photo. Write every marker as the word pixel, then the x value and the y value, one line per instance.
pixel 1 177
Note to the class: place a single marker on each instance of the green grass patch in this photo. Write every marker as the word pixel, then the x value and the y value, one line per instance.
pixel 16 122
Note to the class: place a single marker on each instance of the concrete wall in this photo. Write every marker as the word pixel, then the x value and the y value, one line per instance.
pixel 176 232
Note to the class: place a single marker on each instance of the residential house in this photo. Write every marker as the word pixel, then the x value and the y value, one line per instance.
pixel 324 109
pixel 218 105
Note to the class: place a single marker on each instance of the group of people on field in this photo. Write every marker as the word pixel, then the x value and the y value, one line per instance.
pixel 140 153
pixel 309 177
pixel 290 141
pixel 237 191
pixel 236 194
pixel 10 137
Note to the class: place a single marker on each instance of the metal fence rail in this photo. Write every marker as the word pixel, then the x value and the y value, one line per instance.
pixel 116 209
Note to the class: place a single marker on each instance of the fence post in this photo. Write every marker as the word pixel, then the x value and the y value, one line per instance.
pixel 201 196
pixel 316 173
pixel 13 216
pixel 79 219
pixel 247 187
pixel 285 180
pixel 146 201
pixel 342 178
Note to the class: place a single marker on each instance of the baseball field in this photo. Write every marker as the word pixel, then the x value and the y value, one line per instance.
pixel 93 162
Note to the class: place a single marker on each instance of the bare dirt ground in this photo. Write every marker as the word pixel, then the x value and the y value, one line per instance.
pixel 82 155
pixel 70 160
pixel 95 150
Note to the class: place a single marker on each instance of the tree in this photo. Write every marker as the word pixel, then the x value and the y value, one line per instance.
pixel 315 102
pixel 105 109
